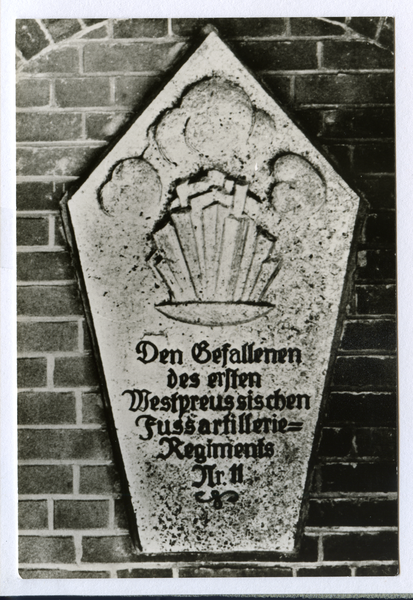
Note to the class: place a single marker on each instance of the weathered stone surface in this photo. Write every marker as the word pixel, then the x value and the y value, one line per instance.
pixel 214 241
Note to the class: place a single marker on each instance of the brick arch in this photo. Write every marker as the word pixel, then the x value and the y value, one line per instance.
pixel 40 36
pixel 376 30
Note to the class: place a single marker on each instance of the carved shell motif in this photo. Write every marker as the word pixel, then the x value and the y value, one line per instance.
pixel 216 262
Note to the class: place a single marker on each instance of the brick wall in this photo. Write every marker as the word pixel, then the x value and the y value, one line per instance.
pixel 79 83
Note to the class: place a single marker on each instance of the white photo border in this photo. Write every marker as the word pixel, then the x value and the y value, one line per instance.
pixel 10 582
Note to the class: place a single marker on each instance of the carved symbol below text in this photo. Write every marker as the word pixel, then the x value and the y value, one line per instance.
pixel 216 498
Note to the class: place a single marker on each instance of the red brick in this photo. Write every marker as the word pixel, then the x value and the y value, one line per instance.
pixel 336 442
pixel 60 29
pixel 62 574
pixel 44 266
pixel 33 514
pixel 94 34
pixel 32 92
pixel 377 570
pixel 47 337
pixel 365 372
pixel 36 549
pixel 386 38
pixel 144 573
pixel 32 232
pixel 241 571
pixel 83 92
pixel 362 409
pixel 87 340
pixel 30 38
pixel 376 299
pixel 325 571
pixel 81 514
pixel 380 228
pixel 90 22
pixel 121 518
pixel 342 512
pixel 63 444
pixel 365 25
pixel 345 88
pixel 376 265
pixel 369 335
pixel 51 127
pixel 36 408
pixel 359 123
pixel 339 155
pixel 108 549
pixel 99 480
pixel 130 91
pixel 374 158
pixel 31 372
pixel 55 161
pixel 361 477
pixel 276 56
pixel 280 87
pixel 45 479
pixel 60 60
pixel 307 550
pixel 75 372
pixel 315 27
pixel 363 546
pixel 356 55
pixel 310 121
pixel 105 126
pixel 138 28
pixel 38 195
pixel 251 27
pixel 379 442
pixel 44 300
pixel 379 190
pixel 92 408
pixel 139 56
pixel 59 233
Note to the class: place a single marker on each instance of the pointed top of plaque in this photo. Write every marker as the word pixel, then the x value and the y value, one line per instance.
pixel 251 112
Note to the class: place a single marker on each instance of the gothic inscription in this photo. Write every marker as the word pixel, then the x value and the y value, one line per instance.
pixel 237 399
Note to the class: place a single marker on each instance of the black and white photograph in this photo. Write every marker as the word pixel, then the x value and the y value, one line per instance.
pixel 207 363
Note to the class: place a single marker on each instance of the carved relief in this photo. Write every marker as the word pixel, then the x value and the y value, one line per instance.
pixel 131 181
pixel 216 262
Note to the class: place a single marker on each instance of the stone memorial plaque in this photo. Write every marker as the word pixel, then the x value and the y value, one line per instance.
pixel 214 240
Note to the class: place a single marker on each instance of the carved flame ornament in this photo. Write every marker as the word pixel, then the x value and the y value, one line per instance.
pixel 215 261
